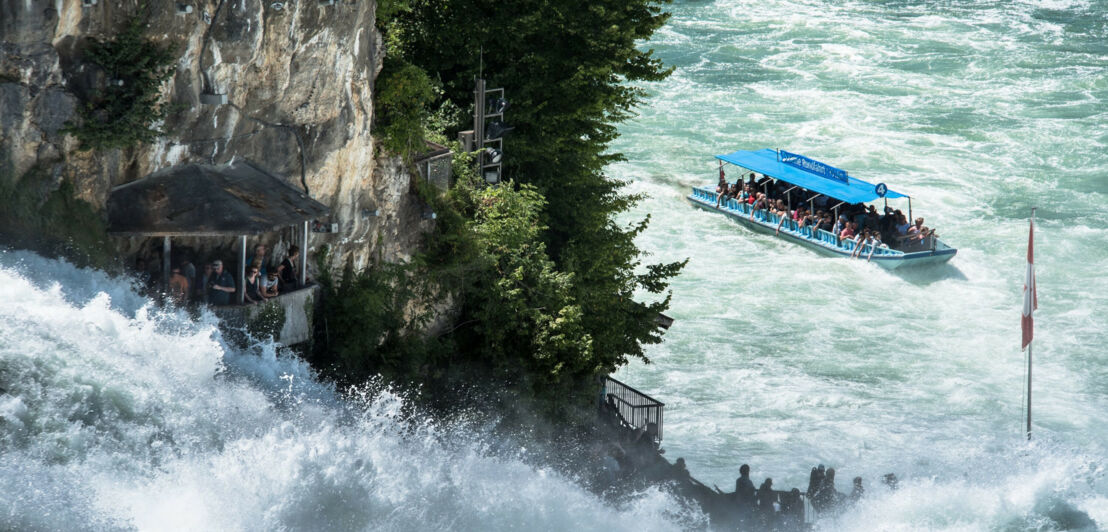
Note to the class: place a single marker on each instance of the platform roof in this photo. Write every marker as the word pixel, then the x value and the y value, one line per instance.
pixel 239 198
pixel 766 162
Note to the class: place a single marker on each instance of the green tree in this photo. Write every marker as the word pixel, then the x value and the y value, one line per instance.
pixel 569 69
pixel 126 110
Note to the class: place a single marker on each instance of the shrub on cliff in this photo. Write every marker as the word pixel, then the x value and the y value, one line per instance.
pixel 127 108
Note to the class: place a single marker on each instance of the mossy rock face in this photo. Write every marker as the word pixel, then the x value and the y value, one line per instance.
pixel 46 216
pixel 267 321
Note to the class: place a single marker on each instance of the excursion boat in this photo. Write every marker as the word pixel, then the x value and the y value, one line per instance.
pixel 810 182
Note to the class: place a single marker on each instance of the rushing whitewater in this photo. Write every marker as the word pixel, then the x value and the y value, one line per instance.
pixel 784 359
pixel 117 415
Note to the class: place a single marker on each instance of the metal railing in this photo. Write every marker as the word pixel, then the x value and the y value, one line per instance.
pixel 636 409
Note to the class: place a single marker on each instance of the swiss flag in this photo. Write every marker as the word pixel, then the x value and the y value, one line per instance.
pixel 1030 295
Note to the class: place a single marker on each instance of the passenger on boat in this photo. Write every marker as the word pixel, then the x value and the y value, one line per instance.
pixel 825 221
pixel 874 244
pixel 848 230
pixel 919 231
pixel 761 203
pixel 744 196
pixel 860 240
pixel 902 224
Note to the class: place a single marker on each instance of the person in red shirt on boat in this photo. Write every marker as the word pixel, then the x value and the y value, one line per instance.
pixel 848 230
pixel 760 203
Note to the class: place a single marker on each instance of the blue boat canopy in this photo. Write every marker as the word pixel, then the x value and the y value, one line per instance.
pixel 852 190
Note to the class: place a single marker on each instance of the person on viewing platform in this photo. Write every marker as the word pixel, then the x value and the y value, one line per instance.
pixel 815 480
pixel 858 491
pixel 178 286
pixel 200 293
pixel 189 271
pixel 290 280
pixel 142 271
pixel 221 285
pixel 269 285
pixel 792 511
pixel 827 495
pixel 680 470
pixel 744 491
pixel 259 259
pixel 252 288
pixel 766 498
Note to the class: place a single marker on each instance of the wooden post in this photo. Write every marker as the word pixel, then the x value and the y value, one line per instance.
pixel 242 269
pixel 304 257
pixel 165 263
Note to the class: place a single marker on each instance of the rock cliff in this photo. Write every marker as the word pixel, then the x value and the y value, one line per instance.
pixel 298 78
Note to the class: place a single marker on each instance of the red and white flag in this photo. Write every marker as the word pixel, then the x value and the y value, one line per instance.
pixel 1030 296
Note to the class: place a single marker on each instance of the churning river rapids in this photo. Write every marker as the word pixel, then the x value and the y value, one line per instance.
pixel 115 414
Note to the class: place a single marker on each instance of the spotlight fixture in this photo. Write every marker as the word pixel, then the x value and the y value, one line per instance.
pixel 496 130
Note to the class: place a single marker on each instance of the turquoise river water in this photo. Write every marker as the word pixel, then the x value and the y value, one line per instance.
pixel 783 359
pixel 115 415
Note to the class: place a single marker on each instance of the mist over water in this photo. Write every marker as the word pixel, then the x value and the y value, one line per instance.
pixel 784 359
pixel 116 415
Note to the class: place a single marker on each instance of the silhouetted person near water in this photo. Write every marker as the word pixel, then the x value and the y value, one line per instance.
pixel 815 481
pixel 827 496
pixel 792 511
pixel 858 490
pixel 766 499
pixel 891 481
pixel 744 492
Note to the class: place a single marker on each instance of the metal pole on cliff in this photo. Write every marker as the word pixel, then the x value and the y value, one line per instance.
pixel 1030 303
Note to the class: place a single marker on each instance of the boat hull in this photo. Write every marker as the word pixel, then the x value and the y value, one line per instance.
pixel 821 242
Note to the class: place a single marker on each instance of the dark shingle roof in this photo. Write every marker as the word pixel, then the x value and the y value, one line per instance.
pixel 204 200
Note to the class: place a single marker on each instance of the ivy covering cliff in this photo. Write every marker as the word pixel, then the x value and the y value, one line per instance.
pixel 543 276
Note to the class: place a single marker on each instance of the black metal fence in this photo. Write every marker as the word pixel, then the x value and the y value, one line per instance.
pixel 636 409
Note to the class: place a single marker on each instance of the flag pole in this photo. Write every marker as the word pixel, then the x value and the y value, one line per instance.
pixel 1030 303
pixel 1028 392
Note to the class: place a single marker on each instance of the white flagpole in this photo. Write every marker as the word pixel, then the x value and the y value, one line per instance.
pixel 1030 303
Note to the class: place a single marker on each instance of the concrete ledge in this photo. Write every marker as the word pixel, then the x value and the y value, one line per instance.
pixel 287 317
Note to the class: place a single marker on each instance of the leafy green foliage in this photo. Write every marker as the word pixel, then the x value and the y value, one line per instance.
pixel 121 115
pixel 370 327
pixel 543 277
pixel 403 96
pixel 567 68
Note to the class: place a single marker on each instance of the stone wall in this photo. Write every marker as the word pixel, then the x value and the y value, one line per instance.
pixel 299 83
